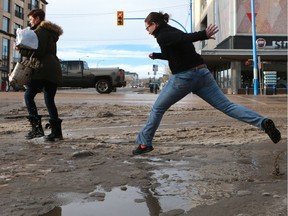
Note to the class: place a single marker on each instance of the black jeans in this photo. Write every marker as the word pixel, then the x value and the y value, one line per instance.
pixel 49 90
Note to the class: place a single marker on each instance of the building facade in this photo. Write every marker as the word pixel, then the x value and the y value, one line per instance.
pixel 230 55
pixel 13 15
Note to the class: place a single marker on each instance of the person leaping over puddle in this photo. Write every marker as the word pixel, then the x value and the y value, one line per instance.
pixel 189 74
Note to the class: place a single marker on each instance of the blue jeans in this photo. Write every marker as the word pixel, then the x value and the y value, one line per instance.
pixel 199 82
pixel 49 89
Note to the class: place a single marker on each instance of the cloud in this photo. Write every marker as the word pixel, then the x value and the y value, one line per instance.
pixel 102 54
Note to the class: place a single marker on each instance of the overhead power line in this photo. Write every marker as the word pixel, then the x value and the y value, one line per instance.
pixel 62 15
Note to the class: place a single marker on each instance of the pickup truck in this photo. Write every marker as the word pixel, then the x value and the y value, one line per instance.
pixel 76 73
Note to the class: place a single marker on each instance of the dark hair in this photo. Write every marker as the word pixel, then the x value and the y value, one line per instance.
pixel 37 13
pixel 157 17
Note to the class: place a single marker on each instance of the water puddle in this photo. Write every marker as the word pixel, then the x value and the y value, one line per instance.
pixel 174 188
pixel 116 202
pixel 131 201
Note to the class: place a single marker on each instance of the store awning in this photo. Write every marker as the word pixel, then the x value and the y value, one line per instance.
pixel 218 57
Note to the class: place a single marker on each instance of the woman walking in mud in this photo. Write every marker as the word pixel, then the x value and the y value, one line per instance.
pixel 189 74
pixel 46 78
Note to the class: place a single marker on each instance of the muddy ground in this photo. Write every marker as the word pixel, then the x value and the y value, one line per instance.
pixel 204 162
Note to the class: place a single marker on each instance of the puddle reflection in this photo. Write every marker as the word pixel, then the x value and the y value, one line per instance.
pixel 116 202
pixel 175 193
pixel 132 201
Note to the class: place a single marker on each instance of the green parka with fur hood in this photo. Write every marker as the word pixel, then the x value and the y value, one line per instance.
pixel 48 34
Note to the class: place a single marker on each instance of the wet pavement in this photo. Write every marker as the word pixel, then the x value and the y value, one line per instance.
pixel 204 163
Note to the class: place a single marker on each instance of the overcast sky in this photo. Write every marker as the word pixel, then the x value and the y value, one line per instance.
pixel 91 32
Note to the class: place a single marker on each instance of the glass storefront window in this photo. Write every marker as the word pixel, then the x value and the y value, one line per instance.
pixel 223 78
pixel 229 83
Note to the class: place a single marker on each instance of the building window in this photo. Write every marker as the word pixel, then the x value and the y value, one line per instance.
pixel 19 11
pixel 5 52
pixel 7 6
pixel 33 4
pixel 16 56
pixel 5 24
pixel 16 26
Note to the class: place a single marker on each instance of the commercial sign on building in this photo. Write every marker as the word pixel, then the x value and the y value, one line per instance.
pixel 261 42
pixel 280 44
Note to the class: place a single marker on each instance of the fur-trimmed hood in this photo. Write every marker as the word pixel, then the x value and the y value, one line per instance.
pixel 51 27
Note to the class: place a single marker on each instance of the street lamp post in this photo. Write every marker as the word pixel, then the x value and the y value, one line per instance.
pixel 191 19
pixel 255 64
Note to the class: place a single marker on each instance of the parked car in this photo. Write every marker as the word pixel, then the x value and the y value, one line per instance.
pixel 104 80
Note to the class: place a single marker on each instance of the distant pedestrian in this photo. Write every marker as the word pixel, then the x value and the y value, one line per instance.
pixel 46 78
pixel 189 74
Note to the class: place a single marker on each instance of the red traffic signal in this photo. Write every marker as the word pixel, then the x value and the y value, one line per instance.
pixel 120 18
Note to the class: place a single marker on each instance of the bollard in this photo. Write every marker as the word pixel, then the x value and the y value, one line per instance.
pixel 274 89
pixel 247 90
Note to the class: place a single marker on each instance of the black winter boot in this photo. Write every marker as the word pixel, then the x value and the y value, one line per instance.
pixel 56 130
pixel 37 130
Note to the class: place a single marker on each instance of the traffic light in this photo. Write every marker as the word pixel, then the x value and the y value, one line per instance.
pixel 120 18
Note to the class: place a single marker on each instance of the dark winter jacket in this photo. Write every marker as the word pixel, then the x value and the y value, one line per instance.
pixel 48 34
pixel 177 47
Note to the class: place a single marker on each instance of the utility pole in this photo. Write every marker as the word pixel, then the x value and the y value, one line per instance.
pixel 191 19
pixel 255 65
